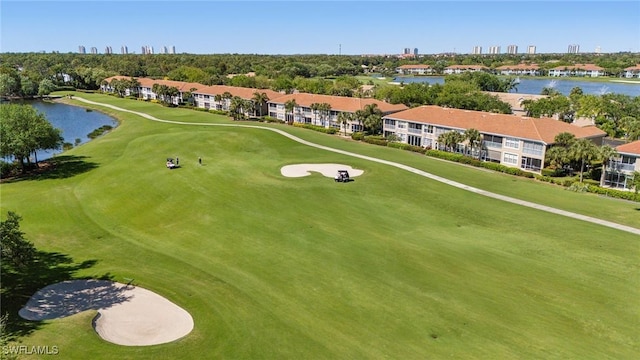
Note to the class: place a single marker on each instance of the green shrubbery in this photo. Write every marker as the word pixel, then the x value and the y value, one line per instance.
pixel 316 128
pixel 99 131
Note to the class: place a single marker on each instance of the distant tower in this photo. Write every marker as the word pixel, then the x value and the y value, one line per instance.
pixel 406 51
pixel 108 50
pixel 598 50
pixel 82 50
pixel 173 49
pixel 94 50
pixel 512 49
pixel 494 50
pixel 531 49
pixel 477 50
pixel 415 52
pixel 124 50
pixel 573 49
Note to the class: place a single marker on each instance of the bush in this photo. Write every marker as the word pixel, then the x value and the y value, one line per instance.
pixel 376 140
pixel 317 128
pixel 358 136
pixel 6 168
pixel 270 119
pixel 618 194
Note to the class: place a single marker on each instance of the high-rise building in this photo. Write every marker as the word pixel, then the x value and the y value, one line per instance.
pixel 512 49
pixel 494 50
pixel 94 50
pixel 407 51
pixel 124 50
pixel 108 50
pixel 415 52
pixel 598 49
pixel 477 50
pixel 573 49
pixel 531 49
pixel 165 50
pixel 82 50
pixel 173 49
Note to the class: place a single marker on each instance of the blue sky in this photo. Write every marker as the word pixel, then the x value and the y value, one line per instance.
pixel 319 27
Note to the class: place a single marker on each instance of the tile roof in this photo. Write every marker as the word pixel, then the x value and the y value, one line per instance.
pixel 338 103
pixel 468 67
pixel 242 92
pixel 630 148
pixel 245 93
pixel 519 67
pixel 542 129
pixel 587 67
pixel 633 68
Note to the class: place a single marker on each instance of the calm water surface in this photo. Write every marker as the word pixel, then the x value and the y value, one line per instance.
pixel 74 122
pixel 564 86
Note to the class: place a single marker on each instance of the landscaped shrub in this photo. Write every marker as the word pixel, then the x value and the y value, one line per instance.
pixel 376 140
pixel 270 119
pixel 218 112
pixel 99 131
pixel 358 136
pixel 578 187
pixel 316 128
pixel 6 168
pixel 618 194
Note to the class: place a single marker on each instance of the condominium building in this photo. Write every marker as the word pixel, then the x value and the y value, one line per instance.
pixel 512 49
pixel 531 49
pixel 573 49
pixel 82 50
pixel 477 50
pixel 108 50
pixel 94 50
pixel 494 50
pixel 173 50
pixel 124 50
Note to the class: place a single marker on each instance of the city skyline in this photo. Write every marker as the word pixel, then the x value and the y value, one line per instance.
pixel 321 27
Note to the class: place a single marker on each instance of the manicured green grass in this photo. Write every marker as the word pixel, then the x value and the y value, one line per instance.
pixel 391 265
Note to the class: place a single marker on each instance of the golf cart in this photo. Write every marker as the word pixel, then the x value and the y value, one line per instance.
pixel 342 176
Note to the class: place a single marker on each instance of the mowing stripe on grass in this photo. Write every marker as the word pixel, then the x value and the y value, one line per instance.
pixel 397 165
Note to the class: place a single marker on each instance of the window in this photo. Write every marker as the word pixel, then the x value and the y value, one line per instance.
pixel 273 106
pixel 415 126
pixel 510 159
pixel 428 142
pixel 389 122
pixel 428 129
pixel 414 140
pixel 511 143
pixel 402 125
pixel 532 148
pixel 356 127
pixel 531 163
pixel 493 141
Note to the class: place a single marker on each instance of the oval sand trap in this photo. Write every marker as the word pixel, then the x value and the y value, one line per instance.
pixel 328 170
pixel 127 315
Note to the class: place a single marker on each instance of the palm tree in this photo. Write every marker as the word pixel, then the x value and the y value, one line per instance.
pixel 343 119
pixel 235 107
pixel 260 99
pixel 226 96
pixel 556 156
pixel 583 150
pixel 372 118
pixel 218 99
pixel 289 106
pixel 474 138
pixel 315 107
pixel 324 109
pixel 605 154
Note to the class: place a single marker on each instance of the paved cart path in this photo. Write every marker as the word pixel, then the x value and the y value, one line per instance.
pixel 397 165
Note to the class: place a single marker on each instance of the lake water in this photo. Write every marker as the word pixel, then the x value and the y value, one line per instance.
pixel 563 85
pixel 74 122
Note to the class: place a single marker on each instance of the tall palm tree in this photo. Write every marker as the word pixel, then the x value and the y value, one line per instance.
pixel 474 138
pixel 260 99
pixel 343 119
pixel 372 118
pixel 226 96
pixel 324 109
pixel 605 154
pixel 235 107
pixel 289 106
pixel 583 150
pixel 315 107
pixel 218 99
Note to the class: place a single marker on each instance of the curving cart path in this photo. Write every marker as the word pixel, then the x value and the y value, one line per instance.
pixel 397 165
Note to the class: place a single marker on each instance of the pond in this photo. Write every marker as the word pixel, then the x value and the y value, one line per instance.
pixel 75 123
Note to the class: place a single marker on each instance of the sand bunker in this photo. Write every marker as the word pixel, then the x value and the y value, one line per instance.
pixel 127 315
pixel 328 170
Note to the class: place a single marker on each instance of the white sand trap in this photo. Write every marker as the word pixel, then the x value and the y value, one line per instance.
pixel 127 315
pixel 328 170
